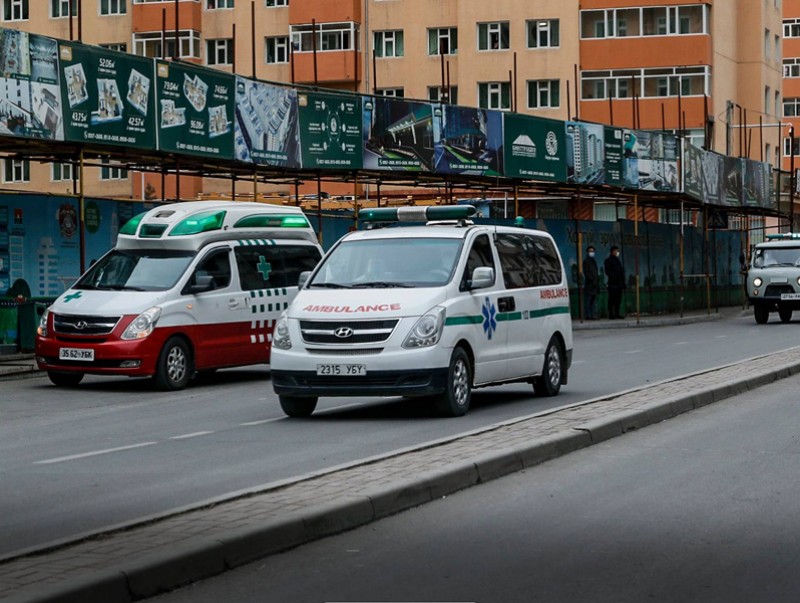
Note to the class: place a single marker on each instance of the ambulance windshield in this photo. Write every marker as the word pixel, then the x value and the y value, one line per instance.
pixel 771 257
pixel 390 262
pixel 136 270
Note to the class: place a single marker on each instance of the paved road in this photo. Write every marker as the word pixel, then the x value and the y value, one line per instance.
pixel 699 508
pixel 114 450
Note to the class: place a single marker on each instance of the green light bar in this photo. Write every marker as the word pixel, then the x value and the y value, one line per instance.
pixel 131 225
pixel 417 214
pixel 267 220
pixel 202 222
pixel 783 235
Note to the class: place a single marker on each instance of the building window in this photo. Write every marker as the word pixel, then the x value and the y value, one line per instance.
pixel 791 28
pixel 494 95
pixel 767 40
pixel 388 44
pixel 275 3
pixel 442 40
pixel 767 97
pixel 277 49
pixel 393 92
pixel 113 7
pixel 219 52
pixel 330 37
pixel 673 216
pixel 60 172
pixel 148 44
pixel 110 171
pixel 115 46
pixel 644 21
pixel 552 210
pixel 651 82
pixel 447 96
pixel 215 4
pixel 543 33
pixel 15 10
pixel 543 94
pixel 608 212
pixel 791 67
pixel 791 146
pixel 16 170
pixel 60 8
pixel 493 36
pixel 777 47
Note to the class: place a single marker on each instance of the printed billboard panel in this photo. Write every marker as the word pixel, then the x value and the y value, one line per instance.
pixel 656 161
pixel 330 130
pixel 585 153
pixel 267 128
pixel 195 110
pixel 756 184
pixel 534 148
pixel 30 99
pixel 731 184
pixel 470 142
pixel 398 135
pixel 613 150
pixel 712 172
pixel 693 172
pixel 107 96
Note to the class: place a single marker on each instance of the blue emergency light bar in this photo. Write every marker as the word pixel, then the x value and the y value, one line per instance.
pixel 417 214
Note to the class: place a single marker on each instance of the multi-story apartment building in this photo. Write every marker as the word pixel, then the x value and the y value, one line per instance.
pixel 709 69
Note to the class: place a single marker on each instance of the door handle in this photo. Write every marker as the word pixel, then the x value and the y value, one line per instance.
pixel 506 304
pixel 233 303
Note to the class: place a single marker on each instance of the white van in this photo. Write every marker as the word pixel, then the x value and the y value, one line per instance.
pixel 189 287
pixel 773 278
pixel 430 310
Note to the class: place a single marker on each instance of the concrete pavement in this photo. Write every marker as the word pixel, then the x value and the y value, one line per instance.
pixel 134 561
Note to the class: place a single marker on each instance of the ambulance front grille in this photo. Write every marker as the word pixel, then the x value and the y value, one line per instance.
pixel 347 332
pixel 67 324
pixel 344 352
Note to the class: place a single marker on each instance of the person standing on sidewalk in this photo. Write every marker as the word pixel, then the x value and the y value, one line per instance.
pixel 615 273
pixel 591 284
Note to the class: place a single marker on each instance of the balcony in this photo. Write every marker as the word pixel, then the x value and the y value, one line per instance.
pixel 150 16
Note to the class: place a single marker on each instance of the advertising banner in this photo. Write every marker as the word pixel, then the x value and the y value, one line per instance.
pixel 30 99
pixel 693 172
pixel 267 128
pixel 470 142
pixel 398 135
pixel 585 153
pixel 534 148
pixel 756 184
pixel 330 130
pixel 613 150
pixel 107 96
pixel 657 161
pixel 731 185
pixel 195 110
pixel 712 172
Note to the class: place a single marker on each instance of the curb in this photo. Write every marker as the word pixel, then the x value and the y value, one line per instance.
pixel 204 557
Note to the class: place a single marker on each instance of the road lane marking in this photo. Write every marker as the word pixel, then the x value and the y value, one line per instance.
pixel 186 436
pixel 261 422
pixel 681 342
pixel 73 457
pixel 634 352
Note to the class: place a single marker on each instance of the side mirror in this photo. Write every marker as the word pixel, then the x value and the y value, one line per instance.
pixel 303 278
pixel 482 277
pixel 202 283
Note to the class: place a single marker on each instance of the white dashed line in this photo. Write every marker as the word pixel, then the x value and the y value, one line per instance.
pixel 95 453
pixel 186 436
pixel 681 342
pixel 261 422
pixel 634 352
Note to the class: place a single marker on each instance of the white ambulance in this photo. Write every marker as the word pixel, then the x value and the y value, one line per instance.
pixel 189 287
pixel 431 310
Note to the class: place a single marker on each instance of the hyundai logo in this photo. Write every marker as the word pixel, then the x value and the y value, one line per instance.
pixel 81 325
pixel 343 332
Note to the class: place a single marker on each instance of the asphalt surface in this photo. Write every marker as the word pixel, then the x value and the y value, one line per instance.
pixel 137 562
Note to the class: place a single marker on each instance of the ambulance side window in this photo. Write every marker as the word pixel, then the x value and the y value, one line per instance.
pixel 528 260
pixel 272 266
pixel 480 255
pixel 217 265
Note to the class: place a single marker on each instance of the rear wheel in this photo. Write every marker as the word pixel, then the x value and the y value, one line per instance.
pixel 549 382
pixel 761 313
pixel 454 401
pixel 174 367
pixel 65 379
pixel 785 314
pixel 297 407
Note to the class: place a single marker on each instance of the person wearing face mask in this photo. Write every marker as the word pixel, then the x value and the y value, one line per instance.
pixel 615 273
pixel 591 284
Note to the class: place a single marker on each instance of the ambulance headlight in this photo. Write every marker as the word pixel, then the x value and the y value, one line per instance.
pixel 280 336
pixel 143 324
pixel 427 331
pixel 757 281
pixel 41 331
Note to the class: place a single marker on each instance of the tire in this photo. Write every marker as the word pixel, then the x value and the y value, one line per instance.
pixel 294 406
pixel 548 384
pixel 174 367
pixel 65 379
pixel 761 313
pixel 454 401
pixel 785 314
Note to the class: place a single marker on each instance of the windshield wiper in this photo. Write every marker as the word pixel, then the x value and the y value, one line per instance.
pixel 381 284
pixel 330 285
pixel 119 288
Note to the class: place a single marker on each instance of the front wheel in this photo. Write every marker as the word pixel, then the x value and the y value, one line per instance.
pixel 549 382
pixel 297 407
pixel 761 313
pixel 174 367
pixel 785 314
pixel 454 401
pixel 65 379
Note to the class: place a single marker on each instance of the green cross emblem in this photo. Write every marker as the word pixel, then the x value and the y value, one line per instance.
pixel 264 267
pixel 72 296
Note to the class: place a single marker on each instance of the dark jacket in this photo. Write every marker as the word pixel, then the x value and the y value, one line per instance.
pixel 591 277
pixel 615 273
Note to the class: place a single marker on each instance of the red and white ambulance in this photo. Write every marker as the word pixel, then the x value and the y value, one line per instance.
pixel 189 287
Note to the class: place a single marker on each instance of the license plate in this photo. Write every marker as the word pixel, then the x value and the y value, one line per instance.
pixel 344 370
pixel 790 296
pixel 76 354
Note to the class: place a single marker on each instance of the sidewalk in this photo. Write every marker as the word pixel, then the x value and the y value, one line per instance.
pixel 139 560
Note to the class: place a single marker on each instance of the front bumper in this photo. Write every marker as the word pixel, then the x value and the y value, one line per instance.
pixel 419 382
pixel 109 356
